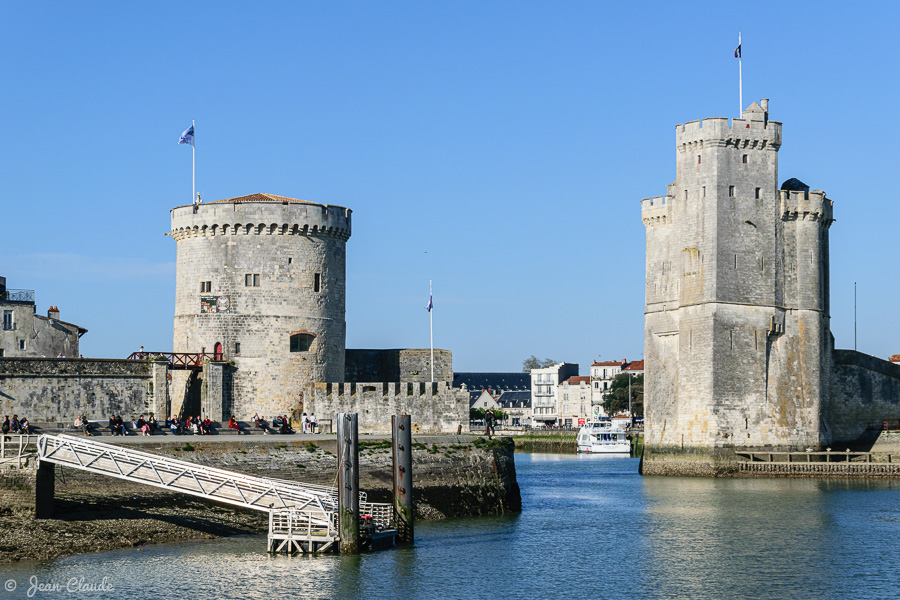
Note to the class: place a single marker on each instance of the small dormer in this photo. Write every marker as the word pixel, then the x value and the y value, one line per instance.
pixel 757 112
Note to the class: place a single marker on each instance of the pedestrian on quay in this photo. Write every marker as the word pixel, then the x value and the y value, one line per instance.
pixel 489 422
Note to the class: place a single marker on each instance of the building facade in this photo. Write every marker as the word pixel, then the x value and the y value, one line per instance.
pixel 26 334
pixel 260 284
pixel 545 392
pixel 574 397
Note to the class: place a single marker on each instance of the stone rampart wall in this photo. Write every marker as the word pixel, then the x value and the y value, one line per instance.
pixel 58 390
pixel 389 365
pixel 865 393
pixel 434 407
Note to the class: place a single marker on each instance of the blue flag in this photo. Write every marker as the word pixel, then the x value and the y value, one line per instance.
pixel 430 304
pixel 187 137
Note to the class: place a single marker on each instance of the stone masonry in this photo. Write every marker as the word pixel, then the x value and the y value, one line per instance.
pixel 260 280
pixel 738 345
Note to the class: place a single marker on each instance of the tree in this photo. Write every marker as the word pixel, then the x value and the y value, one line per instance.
pixel 477 414
pixel 615 401
pixel 533 362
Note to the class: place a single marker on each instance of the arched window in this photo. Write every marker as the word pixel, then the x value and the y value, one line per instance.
pixel 301 341
pixel 218 351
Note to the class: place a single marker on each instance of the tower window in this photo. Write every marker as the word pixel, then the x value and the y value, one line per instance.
pixel 290 260
pixel 301 342
pixel 731 191
pixel 205 286
pixel 237 347
pixel 685 194
pixel 758 190
pixel 251 280
pixel 698 159
pixel 704 191
pixel 744 159
pixel 21 344
pixel 317 282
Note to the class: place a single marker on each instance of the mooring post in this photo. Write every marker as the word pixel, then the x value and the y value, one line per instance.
pixel 44 488
pixel 401 432
pixel 348 481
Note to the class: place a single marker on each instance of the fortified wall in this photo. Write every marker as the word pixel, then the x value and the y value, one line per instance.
pixel 434 407
pixel 404 364
pixel 56 390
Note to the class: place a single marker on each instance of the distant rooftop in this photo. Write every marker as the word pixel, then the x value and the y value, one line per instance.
pixel 264 198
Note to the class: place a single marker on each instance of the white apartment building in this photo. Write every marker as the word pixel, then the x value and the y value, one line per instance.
pixel 574 401
pixel 545 392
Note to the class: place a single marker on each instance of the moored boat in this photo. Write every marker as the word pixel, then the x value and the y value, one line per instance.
pixel 600 437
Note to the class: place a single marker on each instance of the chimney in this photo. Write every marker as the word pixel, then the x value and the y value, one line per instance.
pixel 53 313
pixel 2 287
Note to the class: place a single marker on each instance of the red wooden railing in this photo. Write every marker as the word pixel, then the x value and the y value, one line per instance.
pixel 177 360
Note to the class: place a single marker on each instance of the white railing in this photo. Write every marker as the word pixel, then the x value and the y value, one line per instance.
pixel 17 447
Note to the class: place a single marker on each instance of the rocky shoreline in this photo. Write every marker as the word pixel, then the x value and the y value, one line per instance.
pixel 94 513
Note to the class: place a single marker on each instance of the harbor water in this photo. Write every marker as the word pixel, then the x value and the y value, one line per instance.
pixel 591 527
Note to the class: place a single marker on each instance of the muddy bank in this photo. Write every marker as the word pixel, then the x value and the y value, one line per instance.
pixel 453 477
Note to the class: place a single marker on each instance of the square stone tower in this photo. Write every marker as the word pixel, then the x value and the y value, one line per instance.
pixel 737 343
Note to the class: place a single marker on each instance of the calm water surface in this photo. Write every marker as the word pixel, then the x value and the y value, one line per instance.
pixel 591 528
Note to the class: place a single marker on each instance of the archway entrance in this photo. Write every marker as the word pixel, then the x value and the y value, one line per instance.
pixel 217 353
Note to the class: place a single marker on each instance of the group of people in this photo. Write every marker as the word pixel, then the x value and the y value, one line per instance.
pixel 194 425
pixel 280 424
pixel 16 425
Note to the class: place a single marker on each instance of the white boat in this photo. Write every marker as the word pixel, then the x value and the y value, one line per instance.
pixel 600 437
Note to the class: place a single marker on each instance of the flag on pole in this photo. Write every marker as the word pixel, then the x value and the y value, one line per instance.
pixel 737 51
pixel 430 303
pixel 187 137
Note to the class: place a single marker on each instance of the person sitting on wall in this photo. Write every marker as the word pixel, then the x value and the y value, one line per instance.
pixel 14 424
pixel 174 425
pixel 285 425
pixel 232 424
pixel 112 425
pixel 195 426
pixel 120 426
pixel 5 425
pixel 83 424
pixel 207 425
pixel 24 427
pixel 260 423
pixel 151 422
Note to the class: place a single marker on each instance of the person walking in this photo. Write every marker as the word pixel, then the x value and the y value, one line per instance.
pixel 489 422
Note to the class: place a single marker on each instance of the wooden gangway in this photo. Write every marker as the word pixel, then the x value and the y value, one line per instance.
pixel 302 517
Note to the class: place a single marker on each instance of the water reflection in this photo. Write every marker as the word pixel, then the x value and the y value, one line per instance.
pixel 590 527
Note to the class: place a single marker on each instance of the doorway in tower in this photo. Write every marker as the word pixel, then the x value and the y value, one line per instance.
pixel 218 351
pixel 192 391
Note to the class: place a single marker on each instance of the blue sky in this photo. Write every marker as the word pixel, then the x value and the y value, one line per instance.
pixel 498 148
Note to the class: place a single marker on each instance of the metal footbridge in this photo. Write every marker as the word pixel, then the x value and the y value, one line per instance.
pixel 302 517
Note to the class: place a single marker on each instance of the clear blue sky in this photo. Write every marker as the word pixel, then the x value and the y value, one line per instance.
pixel 498 148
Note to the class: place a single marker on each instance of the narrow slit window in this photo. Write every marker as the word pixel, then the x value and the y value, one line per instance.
pixel 744 159
pixel 731 191
pixel 317 282
pixel 758 190
pixel 237 347
pixel 685 194
pixel 703 191
pixel 698 159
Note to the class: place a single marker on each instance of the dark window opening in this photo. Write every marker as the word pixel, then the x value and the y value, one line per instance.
pixel 21 344
pixel 237 347
pixel 317 283
pixel 698 159
pixel 290 260
pixel 731 191
pixel 758 190
pixel 301 342
pixel 704 191
pixel 251 280
pixel 744 159
pixel 218 351
pixel 205 286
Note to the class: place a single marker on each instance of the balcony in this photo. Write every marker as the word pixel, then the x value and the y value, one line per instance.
pixel 21 296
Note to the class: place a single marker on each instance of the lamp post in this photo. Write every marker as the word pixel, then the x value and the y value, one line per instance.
pixel 630 416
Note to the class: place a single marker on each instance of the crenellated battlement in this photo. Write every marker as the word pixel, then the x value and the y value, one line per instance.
pixel 261 218
pixel 802 205
pixel 657 210
pixel 753 130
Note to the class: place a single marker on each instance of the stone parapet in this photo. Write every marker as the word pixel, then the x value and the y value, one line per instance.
pixel 812 206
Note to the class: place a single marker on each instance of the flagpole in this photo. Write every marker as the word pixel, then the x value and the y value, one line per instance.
pixel 431 319
pixel 194 164
pixel 740 79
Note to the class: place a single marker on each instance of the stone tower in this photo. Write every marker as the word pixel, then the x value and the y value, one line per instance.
pixel 260 283
pixel 737 344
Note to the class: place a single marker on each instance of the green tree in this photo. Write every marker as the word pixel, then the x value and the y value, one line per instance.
pixel 615 401
pixel 533 362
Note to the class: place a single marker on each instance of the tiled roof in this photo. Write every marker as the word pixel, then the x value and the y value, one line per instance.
pixel 608 363
pixel 895 358
pixel 265 198
pixel 515 400
pixel 635 365
pixel 496 382
pixel 577 379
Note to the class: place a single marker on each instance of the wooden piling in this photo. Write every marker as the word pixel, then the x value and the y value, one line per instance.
pixel 44 490
pixel 401 434
pixel 348 481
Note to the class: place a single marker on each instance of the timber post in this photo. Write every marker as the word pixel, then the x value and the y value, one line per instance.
pixel 401 434
pixel 44 489
pixel 348 481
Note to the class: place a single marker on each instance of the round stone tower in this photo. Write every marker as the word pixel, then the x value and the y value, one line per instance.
pixel 260 283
